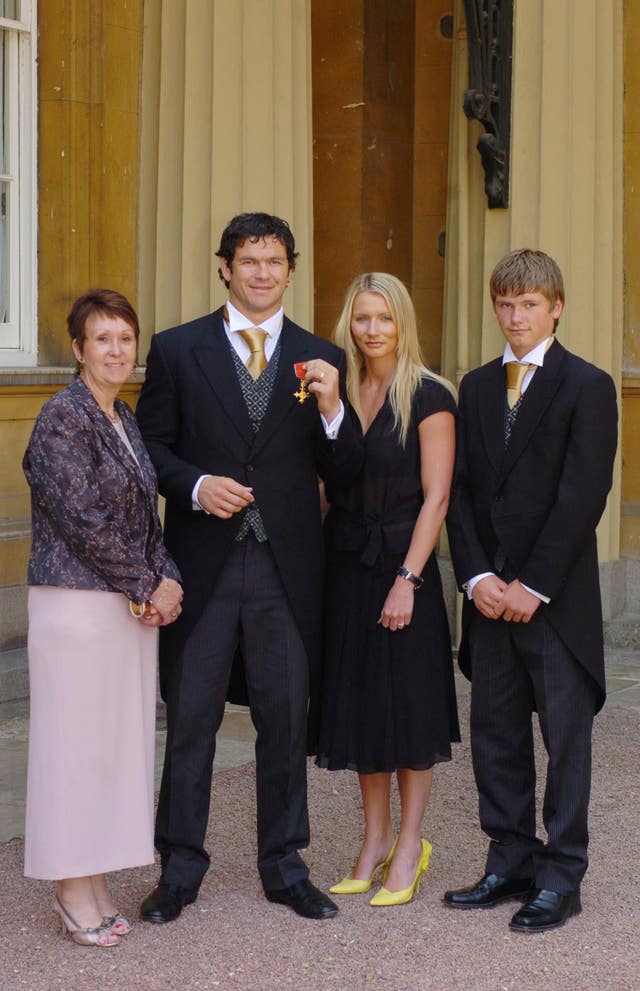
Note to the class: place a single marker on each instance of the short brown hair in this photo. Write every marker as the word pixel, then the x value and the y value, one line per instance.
pixel 106 302
pixel 525 271
pixel 255 227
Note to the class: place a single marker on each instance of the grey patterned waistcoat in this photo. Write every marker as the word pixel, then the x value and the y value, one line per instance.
pixel 256 395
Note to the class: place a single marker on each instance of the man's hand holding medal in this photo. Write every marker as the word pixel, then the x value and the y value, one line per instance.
pixel 319 378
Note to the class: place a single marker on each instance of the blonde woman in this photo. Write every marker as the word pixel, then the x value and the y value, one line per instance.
pixel 388 697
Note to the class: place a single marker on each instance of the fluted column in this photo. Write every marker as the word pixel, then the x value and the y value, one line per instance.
pixel 566 191
pixel 226 107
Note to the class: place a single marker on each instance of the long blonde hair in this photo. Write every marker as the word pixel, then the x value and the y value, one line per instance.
pixel 410 369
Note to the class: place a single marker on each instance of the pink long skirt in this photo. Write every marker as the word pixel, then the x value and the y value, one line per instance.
pixel 92 734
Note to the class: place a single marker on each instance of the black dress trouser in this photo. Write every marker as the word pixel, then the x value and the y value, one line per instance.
pixel 248 609
pixel 517 669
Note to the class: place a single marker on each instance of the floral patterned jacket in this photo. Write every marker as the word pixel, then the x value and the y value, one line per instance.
pixel 94 516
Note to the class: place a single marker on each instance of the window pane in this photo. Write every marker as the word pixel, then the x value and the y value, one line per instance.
pixel 4 98
pixel 4 252
pixel 5 187
pixel 10 9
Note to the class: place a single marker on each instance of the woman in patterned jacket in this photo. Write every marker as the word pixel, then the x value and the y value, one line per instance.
pixel 100 582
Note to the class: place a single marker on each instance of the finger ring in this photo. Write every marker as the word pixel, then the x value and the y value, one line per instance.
pixel 321 375
pixel 174 613
pixel 401 626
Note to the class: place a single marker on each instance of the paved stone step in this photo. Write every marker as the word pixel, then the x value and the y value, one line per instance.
pixel 632 586
pixel 621 657
pixel 623 632
pixel 14 674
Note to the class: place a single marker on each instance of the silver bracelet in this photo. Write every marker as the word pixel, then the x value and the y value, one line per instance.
pixel 408 576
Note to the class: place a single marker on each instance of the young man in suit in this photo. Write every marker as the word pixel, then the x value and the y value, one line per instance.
pixel 537 435
pixel 238 453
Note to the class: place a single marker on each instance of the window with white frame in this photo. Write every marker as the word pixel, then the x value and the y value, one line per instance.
pixel 17 182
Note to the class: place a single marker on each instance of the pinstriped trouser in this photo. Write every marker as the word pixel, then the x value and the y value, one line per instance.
pixel 249 609
pixel 517 669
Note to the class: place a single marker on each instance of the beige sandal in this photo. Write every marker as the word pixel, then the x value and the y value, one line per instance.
pixel 100 936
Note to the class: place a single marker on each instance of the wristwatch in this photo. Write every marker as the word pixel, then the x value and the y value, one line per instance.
pixel 415 580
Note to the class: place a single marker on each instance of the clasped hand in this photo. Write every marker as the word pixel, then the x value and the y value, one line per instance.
pixel 164 606
pixel 495 598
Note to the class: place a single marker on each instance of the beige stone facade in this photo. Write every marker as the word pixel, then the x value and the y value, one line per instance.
pixel 158 120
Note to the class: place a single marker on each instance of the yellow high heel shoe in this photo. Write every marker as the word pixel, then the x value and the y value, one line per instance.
pixel 353 886
pixel 386 897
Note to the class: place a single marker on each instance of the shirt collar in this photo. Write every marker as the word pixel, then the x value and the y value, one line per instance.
pixel 534 357
pixel 237 321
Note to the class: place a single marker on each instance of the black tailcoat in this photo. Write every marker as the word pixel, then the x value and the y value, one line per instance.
pixel 540 500
pixel 194 421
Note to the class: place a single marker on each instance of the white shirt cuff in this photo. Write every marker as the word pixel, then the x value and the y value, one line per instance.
pixel 195 505
pixel 538 595
pixel 331 429
pixel 471 584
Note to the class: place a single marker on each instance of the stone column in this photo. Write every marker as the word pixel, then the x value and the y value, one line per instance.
pixel 565 196
pixel 226 110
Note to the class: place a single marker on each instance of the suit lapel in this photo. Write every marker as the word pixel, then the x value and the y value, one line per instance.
pixel 143 469
pixel 543 387
pixel 491 400
pixel 294 347
pixel 213 355
pixel 110 437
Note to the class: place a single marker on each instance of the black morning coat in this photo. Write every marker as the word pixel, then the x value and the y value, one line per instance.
pixel 194 421
pixel 539 500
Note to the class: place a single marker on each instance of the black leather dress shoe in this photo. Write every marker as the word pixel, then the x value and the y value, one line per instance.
pixel 546 910
pixel 305 899
pixel 490 890
pixel 166 901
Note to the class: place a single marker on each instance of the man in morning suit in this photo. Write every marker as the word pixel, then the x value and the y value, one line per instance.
pixel 536 444
pixel 238 457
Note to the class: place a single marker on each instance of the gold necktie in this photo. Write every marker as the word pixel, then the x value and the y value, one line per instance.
pixel 257 360
pixel 516 372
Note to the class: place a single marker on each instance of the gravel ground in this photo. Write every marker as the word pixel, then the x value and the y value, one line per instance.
pixel 232 939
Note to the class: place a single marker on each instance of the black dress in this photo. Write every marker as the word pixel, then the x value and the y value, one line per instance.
pixel 387 698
